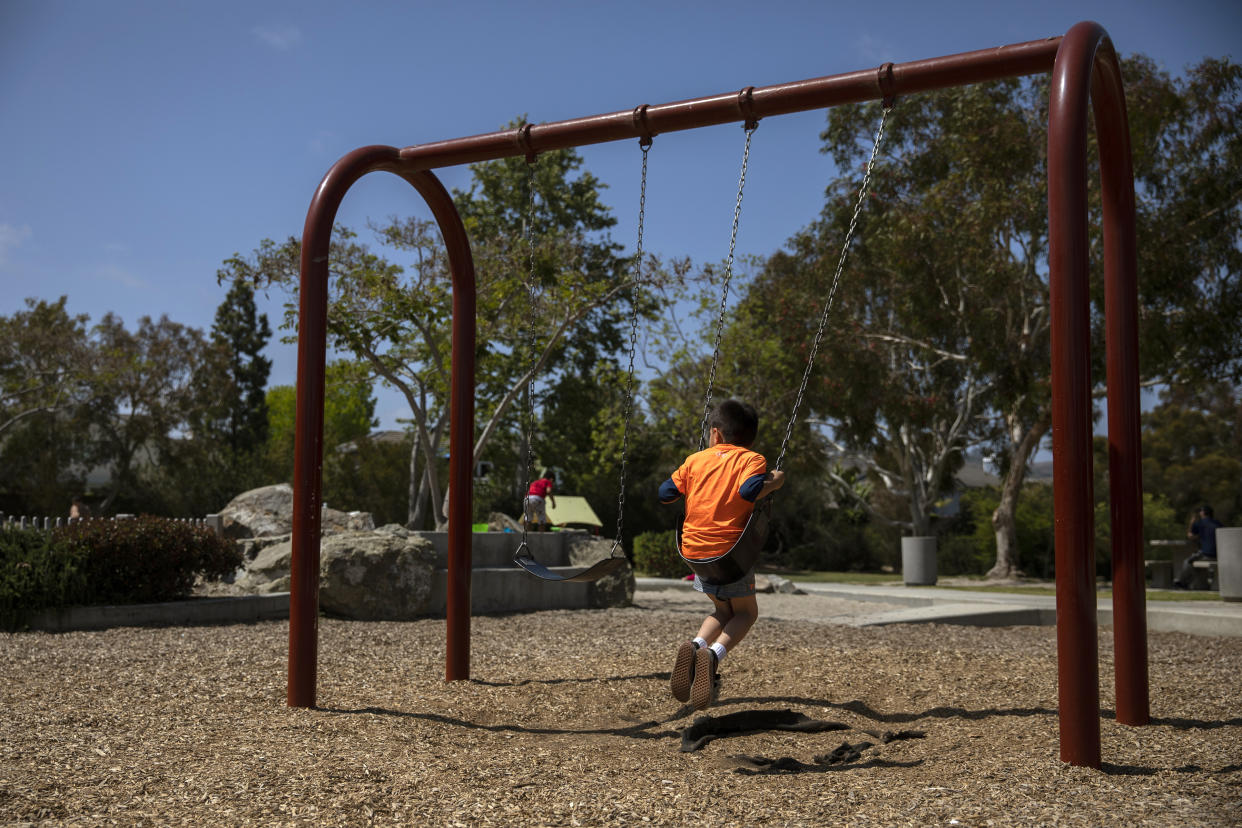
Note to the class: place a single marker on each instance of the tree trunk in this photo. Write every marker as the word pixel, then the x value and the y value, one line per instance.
pixel 1004 520
pixel 414 502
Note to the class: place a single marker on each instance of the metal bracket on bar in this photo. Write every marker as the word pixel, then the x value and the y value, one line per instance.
pixel 645 135
pixel 746 107
pixel 887 85
pixel 523 141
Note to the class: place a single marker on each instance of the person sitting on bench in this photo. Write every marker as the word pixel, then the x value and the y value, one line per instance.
pixel 1205 530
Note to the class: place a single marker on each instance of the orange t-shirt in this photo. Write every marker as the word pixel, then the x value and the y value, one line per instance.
pixel 716 512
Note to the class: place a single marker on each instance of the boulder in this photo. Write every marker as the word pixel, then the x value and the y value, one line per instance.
pixel 269 570
pixel 616 589
pixel 379 575
pixel 268 511
pixel 500 522
pixel 251 547
pixel 781 585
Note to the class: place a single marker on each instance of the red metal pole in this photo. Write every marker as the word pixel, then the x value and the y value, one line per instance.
pixel 1125 455
pixel 461 424
pixel 308 440
pixel 761 102
pixel 1074 529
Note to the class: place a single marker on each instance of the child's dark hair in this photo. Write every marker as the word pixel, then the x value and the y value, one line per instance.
pixel 738 422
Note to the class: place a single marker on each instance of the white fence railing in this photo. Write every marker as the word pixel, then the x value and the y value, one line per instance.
pixel 212 522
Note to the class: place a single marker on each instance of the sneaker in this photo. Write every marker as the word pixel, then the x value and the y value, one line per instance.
pixel 683 671
pixel 705 688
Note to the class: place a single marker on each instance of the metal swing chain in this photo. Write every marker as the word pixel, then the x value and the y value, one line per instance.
pixel 836 280
pixel 645 145
pixel 529 418
pixel 750 126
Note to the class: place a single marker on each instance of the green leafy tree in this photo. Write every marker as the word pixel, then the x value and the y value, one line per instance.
pixel 43 361
pixel 371 474
pixel 1192 451
pixel 44 388
pixel 349 415
pixel 396 318
pixel 147 385
pixel 964 184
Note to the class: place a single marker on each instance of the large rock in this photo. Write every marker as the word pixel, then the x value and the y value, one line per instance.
pixel 380 575
pixel 616 589
pixel 500 522
pixel 268 511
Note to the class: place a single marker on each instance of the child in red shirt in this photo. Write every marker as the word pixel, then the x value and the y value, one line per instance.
pixel 721 485
pixel 534 511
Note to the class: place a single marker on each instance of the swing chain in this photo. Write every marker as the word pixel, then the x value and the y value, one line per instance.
pixel 529 418
pixel 750 126
pixel 836 280
pixel 645 145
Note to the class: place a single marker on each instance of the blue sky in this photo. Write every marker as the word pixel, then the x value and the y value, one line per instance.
pixel 145 142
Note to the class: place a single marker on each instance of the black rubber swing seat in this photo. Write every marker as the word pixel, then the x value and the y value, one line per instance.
pixel 730 566
pixel 523 558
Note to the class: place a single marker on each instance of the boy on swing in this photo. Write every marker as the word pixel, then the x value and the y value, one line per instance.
pixel 721 484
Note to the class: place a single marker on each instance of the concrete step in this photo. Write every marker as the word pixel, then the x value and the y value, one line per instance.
pixel 495 549
pixel 510 589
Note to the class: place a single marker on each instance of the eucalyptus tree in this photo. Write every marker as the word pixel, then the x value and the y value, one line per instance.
pixel 961 224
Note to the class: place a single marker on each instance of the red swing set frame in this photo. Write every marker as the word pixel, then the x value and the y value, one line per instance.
pixel 1085 72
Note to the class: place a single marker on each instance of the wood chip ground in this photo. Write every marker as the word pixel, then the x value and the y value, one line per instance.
pixel 568 720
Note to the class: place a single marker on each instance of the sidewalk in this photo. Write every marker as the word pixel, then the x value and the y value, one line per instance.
pixel 864 605
pixel 858 605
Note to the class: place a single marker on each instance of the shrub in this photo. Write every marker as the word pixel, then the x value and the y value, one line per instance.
pixel 138 560
pixel 38 572
pixel 655 553
pixel 147 559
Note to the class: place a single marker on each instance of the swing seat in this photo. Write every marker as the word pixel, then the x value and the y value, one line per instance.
pixel 523 558
pixel 740 559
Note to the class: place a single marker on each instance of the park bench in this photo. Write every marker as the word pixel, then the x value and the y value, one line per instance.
pixel 1210 572
pixel 1161 571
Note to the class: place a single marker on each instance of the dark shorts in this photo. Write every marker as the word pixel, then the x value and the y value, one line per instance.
pixel 737 589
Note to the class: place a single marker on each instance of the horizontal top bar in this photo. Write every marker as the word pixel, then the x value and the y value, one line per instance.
pixel 751 103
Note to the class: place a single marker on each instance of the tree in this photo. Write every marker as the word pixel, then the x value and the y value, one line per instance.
pixel 43 362
pixel 239 416
pixel 1192 445
pixel 966 173
pixel 893 384
pixel 147 385
pixel 396 318
pixel 44 372
pixel 369 474
pixel 348 415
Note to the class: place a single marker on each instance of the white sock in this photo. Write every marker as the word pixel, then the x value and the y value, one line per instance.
pixel 700 642
pixel 719 650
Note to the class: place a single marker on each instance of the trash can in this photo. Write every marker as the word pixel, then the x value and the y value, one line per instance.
pixel 918 561
pixel 1229 562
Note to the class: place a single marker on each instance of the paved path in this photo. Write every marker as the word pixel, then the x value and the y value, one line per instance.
pixel 858 605
pixel 865 605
